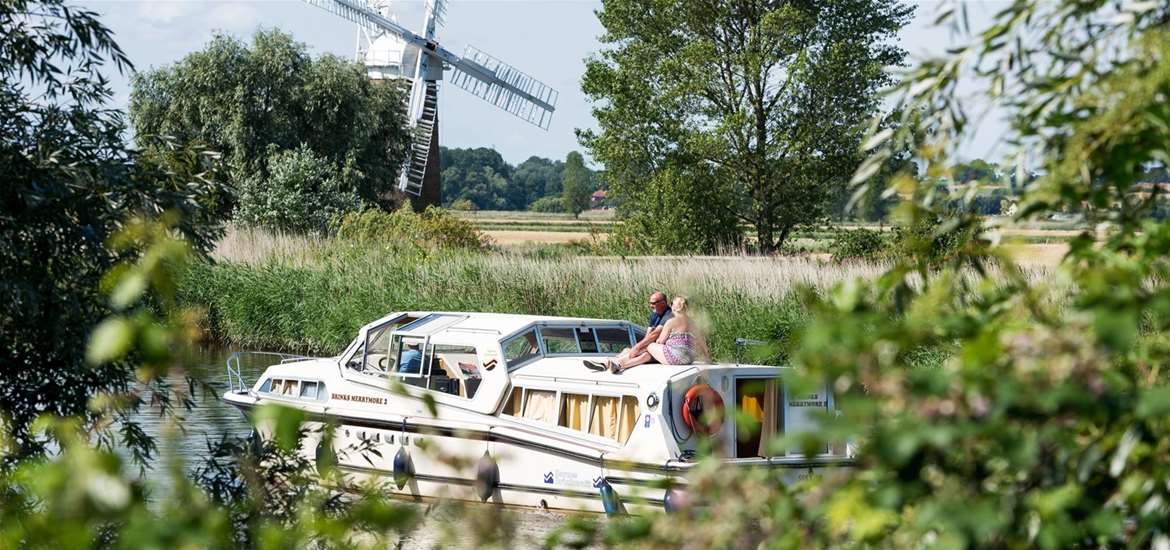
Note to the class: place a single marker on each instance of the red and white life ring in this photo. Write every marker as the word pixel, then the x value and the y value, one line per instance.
pixel 702 409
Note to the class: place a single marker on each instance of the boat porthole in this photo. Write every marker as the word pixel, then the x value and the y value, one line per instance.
pixel 652 401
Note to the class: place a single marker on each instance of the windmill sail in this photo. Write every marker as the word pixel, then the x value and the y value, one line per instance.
pixel 477 72
pixel 505 87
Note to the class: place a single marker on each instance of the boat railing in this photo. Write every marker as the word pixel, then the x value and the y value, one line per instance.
pixel 741 346
pixel 235 377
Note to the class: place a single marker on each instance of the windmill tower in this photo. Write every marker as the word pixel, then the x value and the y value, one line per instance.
pixel 390 50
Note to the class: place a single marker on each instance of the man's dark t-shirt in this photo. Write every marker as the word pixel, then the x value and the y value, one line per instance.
pixel 657 320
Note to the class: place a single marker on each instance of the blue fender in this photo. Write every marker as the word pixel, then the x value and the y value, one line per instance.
pixel 325 457
pixel 403 467
pixel 609 499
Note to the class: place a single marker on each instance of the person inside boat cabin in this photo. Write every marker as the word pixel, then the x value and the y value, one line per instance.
pixel 411 359
pixel 660 313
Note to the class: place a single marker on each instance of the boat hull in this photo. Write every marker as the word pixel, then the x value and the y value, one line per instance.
pixel 448 462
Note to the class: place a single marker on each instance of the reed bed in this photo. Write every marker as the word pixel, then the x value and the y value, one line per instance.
pixel 302 293
pixel 312 294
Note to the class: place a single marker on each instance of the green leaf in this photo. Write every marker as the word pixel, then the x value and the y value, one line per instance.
pixel 1154 402
pixel 128 290
pixel 110 341
pixel 284 423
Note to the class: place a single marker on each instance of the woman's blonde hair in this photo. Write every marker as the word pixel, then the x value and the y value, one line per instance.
pixel 679 304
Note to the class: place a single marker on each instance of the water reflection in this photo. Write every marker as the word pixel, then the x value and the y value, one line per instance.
pixel 211 420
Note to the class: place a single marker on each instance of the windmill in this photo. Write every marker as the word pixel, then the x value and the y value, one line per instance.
pixel 392 51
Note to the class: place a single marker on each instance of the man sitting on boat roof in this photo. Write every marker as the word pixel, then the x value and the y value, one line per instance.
pixel 660 313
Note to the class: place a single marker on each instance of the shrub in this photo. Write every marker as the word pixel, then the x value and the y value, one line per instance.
pixel 302 193
pixel 434 228
pixel 858 244
pixel 548 205
pixel 929 241
pixel 464 205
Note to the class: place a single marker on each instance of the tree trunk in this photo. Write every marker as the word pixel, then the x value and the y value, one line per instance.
pixel 784 232
pixel 764 235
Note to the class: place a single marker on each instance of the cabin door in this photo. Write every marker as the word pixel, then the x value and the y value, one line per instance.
pixel 761 401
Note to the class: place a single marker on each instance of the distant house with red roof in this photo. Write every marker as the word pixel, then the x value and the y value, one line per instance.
pixel 597 199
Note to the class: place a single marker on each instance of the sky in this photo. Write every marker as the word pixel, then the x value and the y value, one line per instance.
pixel 548 39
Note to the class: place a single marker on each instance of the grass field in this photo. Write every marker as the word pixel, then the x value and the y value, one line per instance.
pixel 1033 244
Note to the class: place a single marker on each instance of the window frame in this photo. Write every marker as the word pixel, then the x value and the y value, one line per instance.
pixel 322 392
pixel 630 329
pixel 544 345
pixel 423 364
pixel 429 360
pixel 593 393
pixel 523 359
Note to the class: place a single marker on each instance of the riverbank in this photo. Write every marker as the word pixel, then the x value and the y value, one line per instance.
pixel 312 294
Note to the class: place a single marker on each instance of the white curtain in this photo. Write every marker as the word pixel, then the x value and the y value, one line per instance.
pixel 770 422
pixel 541 406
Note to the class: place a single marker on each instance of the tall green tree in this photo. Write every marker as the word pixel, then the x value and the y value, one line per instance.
pixel 537 178
pixel 69 184
pixel 479 175
pixel 977 170
pixel 576 184
pixel 764 100
pixel 248 99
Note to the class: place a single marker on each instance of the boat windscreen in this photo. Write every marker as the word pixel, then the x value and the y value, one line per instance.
pixel 430 323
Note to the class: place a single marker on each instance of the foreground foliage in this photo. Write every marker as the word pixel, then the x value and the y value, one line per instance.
pixel 1045 425
pixel 69 184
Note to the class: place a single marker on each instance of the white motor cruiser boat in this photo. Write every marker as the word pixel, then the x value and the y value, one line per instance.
pixel 502 408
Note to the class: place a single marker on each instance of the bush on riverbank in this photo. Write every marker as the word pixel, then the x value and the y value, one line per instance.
pixel 434 228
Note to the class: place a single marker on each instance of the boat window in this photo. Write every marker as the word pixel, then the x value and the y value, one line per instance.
pixel 515 402
pixel 375 352
pixel 760 400
pixel 541 406
pixel 302 389
pixel 608 416
pixel 309 390
pixel 454 370
pixel 586 340
pixel 612 340
pixel 521 348
pixel 429 319
pixel 614 417
pixel 407 352
pixel 559 340
pixel 284 387
pixel 574 411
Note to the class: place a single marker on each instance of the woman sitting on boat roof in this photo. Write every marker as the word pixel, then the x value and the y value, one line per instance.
pixel 680 343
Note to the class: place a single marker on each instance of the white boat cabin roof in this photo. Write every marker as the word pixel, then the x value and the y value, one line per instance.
pixel 499 324
pixel 572 369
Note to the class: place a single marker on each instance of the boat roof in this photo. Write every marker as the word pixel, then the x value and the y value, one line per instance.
pixel 572 369
pixel 501 324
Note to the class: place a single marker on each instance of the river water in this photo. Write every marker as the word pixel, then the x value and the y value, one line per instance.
pixel 211 419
